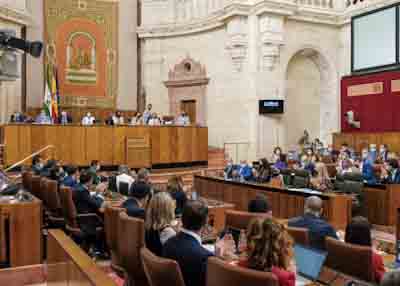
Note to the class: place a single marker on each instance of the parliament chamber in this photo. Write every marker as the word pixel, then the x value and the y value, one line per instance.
pixel 199 143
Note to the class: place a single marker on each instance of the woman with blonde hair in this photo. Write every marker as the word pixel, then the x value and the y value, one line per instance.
pixel 270 248
pixel 159 217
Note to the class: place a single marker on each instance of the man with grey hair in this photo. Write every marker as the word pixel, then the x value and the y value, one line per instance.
pixel 142 183
pixel 124 175
pixel 317 227
pixel 391 278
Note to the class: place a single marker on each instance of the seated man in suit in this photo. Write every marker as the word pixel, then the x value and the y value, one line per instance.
pixel 390 172
pixel 71 180
pixel 64 118
pixel 84 201
pixel 186 248
pixel 43 118
pixel 139 196
pixel 318 228
pixel 37 164
pixel 142 179
pixel 88 119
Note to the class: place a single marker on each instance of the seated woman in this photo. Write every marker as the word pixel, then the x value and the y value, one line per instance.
pixel 270 248
pixel 263 173
pixel 359 232
pixel 159 217
pixel 319 176
pixel 175 189
pixel 281 163
pixel 276 155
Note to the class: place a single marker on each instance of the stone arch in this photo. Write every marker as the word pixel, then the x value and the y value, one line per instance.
pixel 329 98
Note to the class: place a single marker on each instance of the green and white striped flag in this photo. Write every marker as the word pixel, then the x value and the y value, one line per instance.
pixel 47 100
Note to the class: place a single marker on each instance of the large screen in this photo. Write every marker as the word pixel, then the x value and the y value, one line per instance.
pixel 270 106
pixel 374 40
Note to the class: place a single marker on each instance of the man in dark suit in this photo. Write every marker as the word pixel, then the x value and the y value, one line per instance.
pixel 186 248
pixel 71 180
pixel 84 202
pixel 317 227
pixel 391 172
pixel 37 164
pixel 136 204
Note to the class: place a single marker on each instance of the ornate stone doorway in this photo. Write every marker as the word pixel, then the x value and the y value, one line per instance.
pixel 187 90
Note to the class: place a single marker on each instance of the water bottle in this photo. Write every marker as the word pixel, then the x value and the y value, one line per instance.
pixel 242 247
pixel 229 244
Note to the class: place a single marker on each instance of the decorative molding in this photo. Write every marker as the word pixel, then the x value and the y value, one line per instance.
pixel 210 22
pixel 271 39
pixel 237 30
pixel 21 17
pixel 374 88
pixel 188 81
pixel 187 72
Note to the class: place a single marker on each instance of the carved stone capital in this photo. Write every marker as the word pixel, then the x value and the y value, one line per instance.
pixel 237 30
pixel 271 39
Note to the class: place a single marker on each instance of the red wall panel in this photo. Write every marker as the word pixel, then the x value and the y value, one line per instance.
pixel 377 112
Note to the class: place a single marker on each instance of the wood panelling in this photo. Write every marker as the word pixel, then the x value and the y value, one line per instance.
pixel 285 203
pixel 360 140
pixel 21 228
pixel 79 144
pixel 382 204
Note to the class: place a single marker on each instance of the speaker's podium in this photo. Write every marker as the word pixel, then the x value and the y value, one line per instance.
pixel 138 152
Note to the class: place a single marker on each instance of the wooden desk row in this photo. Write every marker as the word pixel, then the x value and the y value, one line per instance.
pixel 20 232
pixel 66 264
pixel 285 203
pixel 80 145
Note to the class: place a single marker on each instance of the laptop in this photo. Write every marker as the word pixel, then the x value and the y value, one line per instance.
pixel 309 264
pixel 4 181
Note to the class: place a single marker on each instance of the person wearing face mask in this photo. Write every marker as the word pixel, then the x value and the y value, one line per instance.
pixel 93 171
pixel 37 164
pixel 229 168
pixel 183 119
pixel 263 172
pixel 245 171
pixel 88 119
pixel 390 173
pixel 281 164
pixel 383 153
pixel 367 168
pixel 72 178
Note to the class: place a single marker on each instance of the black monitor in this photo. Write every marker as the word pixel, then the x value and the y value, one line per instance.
pixel 271 106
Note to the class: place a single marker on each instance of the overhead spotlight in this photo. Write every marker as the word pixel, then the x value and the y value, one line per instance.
pixel 9 41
